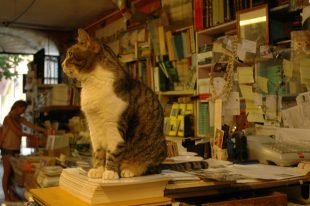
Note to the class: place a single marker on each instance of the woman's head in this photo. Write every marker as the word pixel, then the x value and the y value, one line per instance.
pixel 19 106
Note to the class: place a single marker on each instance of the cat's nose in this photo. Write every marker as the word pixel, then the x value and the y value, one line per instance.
pixel 63 64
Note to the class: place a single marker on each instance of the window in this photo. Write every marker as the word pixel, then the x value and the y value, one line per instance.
pixel 51 70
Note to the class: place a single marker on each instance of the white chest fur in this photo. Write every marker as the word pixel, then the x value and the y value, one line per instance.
pixel 102 107
pixel 98 97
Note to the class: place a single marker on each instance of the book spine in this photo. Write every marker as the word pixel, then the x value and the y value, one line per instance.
pixel 215 14
pixel 169 45
pixel 198 15
pixel 162 42
pixel 178 46
pixel 156 79
pixel 221 11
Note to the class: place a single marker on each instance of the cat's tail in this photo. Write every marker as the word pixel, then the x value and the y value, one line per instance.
pixel 181 166
pixel 186 166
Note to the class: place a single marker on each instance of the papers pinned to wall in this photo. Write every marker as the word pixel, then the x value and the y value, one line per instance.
pixel 288 68
pixel 271 107
pixel 245 75
pixel 246 91
pixel 262 83
pixel 304 70
pixel 232 105
pixel 246 50
pixel 254 112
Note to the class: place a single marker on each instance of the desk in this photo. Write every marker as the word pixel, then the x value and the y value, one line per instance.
pixel 55 196
pixel 209 190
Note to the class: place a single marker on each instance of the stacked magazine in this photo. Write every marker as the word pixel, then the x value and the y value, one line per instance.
pixel 96 191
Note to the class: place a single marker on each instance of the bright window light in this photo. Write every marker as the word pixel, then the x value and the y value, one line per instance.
pixel 253 21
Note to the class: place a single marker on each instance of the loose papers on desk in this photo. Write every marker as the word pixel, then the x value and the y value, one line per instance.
pixel 237 172
pixel 258 171
pixel 226 171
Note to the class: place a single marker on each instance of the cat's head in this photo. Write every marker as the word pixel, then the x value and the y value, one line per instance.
pixel 81 56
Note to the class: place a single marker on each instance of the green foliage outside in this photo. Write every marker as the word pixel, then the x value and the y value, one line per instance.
pixel 8 65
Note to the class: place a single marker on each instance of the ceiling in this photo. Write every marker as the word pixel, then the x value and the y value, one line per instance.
pixel 18 16
pixel 52 14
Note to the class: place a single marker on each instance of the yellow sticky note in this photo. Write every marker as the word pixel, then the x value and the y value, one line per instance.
pixel 262 83
pixel 304 70
pixel 254 112
pixel 246 91
pixel 249 104
pixel 245 75
pixel 254 116
pixel 288 68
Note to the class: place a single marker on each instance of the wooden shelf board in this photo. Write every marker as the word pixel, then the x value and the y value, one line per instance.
pixel 218 29
pixel 185 92
pixel 58 108
pixel 204 65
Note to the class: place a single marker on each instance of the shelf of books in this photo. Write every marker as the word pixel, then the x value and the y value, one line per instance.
pixel 174 74
pixel 141 69
pixel 214 13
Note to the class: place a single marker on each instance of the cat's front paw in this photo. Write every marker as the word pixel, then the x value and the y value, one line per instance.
pixel 127 173
pixel 95 172
pixel 110 175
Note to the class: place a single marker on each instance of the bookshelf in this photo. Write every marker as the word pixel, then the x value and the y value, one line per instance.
pixel 174 75
pixel 213 13
pixel 141 69
pixel 204 46
pixel 136 53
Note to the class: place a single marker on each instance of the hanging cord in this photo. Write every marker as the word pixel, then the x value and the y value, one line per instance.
pixel 113 55
pixel 21 14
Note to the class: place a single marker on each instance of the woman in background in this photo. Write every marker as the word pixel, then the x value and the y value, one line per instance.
pixel 11 141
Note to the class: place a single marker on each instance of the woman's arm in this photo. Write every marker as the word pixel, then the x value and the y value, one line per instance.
pixel 25 122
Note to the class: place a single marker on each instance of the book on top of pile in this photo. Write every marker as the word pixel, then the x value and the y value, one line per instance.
pixel 96 191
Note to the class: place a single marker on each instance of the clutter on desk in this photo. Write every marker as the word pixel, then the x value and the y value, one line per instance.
pixel 49 176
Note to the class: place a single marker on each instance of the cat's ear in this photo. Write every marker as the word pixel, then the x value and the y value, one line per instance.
pixel 85 39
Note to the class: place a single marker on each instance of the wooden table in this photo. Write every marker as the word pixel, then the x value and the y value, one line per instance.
pixel 55 196
pixel 188 192
pixel 207 190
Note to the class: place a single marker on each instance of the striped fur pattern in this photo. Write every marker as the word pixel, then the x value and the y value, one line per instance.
pixel 124 116
pixel 186 166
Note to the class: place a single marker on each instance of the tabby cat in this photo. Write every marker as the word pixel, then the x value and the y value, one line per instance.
pixel 124 116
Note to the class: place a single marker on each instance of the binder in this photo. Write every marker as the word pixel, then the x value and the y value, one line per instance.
pixel 204 119
pixel 174 124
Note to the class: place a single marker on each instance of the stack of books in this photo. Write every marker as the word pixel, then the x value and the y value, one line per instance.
pixel 98 191
pixel 48 176
pixel 59 94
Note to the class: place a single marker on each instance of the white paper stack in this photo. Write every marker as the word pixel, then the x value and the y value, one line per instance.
pixel 96 191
